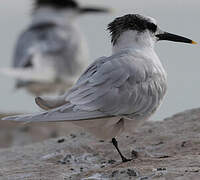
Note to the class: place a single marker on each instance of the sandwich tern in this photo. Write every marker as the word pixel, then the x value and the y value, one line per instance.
pixel 51 53
pixel 116 93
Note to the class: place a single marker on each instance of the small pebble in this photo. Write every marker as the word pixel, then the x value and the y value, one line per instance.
pixel 62 162
pixel 161 169
pixel 114 173
pixel 183 144
pixel 131 172
pixel 66 159
pixel 159 143
pixel 73 136
pixel 81 169
pixel 163 156
pixel 103 162
pixel 61 140
pixel 134 154
pixel 111 161
pixel 122 172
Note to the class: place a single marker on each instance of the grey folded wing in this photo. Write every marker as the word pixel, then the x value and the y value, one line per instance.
pixel 117 85
pixel 113 86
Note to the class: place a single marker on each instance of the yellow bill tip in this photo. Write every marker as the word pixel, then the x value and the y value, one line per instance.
pixel 193 42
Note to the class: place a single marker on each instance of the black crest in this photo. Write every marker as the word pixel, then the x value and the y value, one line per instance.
pixel 58 4
pixel 130 22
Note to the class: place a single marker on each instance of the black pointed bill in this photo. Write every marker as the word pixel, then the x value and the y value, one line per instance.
pixel 172 37
pixel 94 10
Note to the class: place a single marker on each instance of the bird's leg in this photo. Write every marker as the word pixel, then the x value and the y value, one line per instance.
pixel 115 143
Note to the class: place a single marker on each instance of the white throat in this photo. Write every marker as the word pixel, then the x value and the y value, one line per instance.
pixel 133 40
pixel 47 14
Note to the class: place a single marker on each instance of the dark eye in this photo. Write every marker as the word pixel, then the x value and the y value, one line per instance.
pixel 152 27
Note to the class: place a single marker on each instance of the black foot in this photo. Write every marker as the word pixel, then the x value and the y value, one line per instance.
pixel 126 160
pixel 115 143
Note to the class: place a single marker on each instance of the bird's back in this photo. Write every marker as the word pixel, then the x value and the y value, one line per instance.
pixel 46 39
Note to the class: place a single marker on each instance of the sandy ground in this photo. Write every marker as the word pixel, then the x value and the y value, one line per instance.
pixel 167 150
pixel 20 134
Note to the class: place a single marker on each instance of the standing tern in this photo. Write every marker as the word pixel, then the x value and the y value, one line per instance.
pixel 115 93
pixel 52 53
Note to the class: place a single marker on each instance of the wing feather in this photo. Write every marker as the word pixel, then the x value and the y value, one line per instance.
pixel 114 86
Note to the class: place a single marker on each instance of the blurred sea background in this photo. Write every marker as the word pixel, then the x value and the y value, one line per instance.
pixel 181 61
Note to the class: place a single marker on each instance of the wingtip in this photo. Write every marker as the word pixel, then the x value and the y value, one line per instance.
pixel 41 103
pixel 9 118
pixel 38 99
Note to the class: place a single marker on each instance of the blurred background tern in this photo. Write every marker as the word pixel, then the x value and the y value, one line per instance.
pixel 52 52
pixel 115 94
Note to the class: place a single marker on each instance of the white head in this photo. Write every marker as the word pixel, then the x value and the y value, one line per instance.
pixel 136 31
